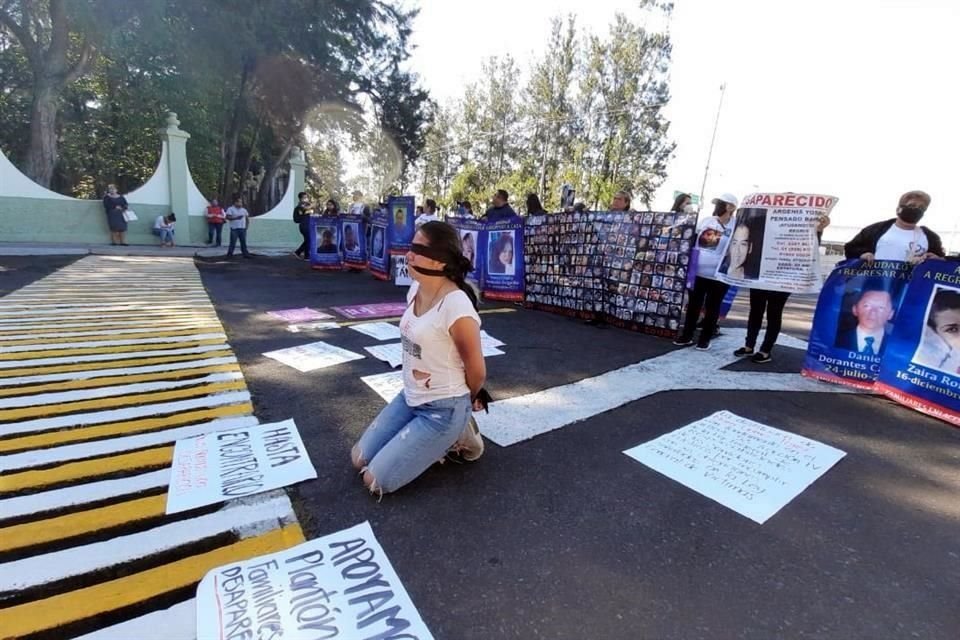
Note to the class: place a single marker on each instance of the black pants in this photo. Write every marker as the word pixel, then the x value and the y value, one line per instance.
pixel 238 234
pixel 304 247
pixel 771 303
pixel 214 228
pixel 707 296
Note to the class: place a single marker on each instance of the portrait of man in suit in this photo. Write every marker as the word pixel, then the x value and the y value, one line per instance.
pixel 873 309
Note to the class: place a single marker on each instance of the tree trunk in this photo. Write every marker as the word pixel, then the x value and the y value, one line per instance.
pixel 42 154
pixel 233 136
pixel 264 195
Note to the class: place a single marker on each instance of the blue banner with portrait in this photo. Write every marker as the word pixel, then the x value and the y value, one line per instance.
pixel 353 240
pixel 858 308
pixel 379 245
pixel 502 265
pixel 921 364
pixel 325 248
pixel 400 228
pixel 471 231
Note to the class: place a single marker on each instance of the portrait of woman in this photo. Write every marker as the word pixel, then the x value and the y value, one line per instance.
pixel 939 346
pixel 501 253
pixel 469 244
pixel 742 259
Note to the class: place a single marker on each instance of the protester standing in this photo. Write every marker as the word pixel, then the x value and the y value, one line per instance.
pixel 534 207
pixel 301 216
pixel 429 216
pixel 443 369
pixel 467 209
pixel 620 202
pixel 900 238
pixel 215 218
pixel 114 205
pixel 713 233
pixel 769 303
pixel 680 203
pixel 238 216
pixel 500 210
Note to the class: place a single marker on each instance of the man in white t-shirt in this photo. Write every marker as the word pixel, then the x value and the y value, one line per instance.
pixel 163 227
pixel 901 238
pixel 429 216
pixel 237 215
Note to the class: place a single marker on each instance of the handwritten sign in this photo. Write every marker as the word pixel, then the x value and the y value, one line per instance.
pixel 303 314
pixel 401 274
pixel 744 465
pixel 379 330
pixel 339 586
pixel 387 385
pixel 224 465
pixel 313 356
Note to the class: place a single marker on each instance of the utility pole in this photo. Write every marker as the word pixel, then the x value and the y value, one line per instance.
pixel 713 138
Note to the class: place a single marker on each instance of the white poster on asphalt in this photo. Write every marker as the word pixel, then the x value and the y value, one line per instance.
pixel 387 385
pixel 774 243
pixel 313 356
pixel 312 326
pixel 744 465
pixel 339 586
pixel 378 330
pixel 391 353
pixel 224 465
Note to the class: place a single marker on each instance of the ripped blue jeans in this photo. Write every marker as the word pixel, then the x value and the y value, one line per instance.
pixel 403 441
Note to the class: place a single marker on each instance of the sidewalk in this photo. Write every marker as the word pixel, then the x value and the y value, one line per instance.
pixel 184 251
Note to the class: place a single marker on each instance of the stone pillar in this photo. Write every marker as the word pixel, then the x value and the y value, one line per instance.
pixel 179 173
pixel 298 170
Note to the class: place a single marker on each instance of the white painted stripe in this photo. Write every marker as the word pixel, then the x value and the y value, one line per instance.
pixel 99 357
pixel 184 301
pixel 66 453
pixel 100 373
pixel 77 395
pixel 153 324
pixel 523 417
pixel 248 517
pixel 133 317
pixel 82 494
pixel 127 413
pixel 179 622
pixel 111 332
pixel 52 346
pixel 141 310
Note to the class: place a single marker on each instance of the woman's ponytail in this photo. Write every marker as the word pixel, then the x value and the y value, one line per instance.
pixel 457 272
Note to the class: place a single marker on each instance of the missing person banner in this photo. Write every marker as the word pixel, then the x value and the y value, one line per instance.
pixel 774 243
pixel 379 245
pixel 223 465
pixel 339 586
pixel 400 228
pixel 628 268
pixel 502 268
pixel 857 310
pixel 353 241
pixel 471 231
pixel 325 250
pixel 921 364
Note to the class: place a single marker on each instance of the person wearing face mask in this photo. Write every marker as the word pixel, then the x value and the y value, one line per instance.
pixel 900 238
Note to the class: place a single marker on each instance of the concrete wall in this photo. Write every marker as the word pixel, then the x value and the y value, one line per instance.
pixel 31 213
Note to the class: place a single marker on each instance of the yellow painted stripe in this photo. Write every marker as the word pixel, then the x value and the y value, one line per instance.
pixel 81 522
pixel 110 325
pixel 81 604
pixel 127 348
pixel 68 436
pixel 118 335
pixel 156 457
pixel 114 402
pixel 112 364
pixel 106 381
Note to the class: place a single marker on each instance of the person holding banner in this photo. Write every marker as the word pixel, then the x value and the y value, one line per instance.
pixel 901 238
pixel 713 234
pixel 620 202
pixel 500 210
pixel 301 217
pixel 443 370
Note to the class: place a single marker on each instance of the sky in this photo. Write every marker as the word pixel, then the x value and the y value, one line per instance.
pixel 853 98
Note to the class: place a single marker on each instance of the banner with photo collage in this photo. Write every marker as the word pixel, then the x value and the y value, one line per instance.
pixel 894 328
pixel 628 268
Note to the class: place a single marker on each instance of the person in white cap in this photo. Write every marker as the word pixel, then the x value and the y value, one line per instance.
pixel 713 234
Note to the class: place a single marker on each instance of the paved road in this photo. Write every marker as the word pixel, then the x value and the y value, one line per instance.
pixel 559 535
pixel 563 536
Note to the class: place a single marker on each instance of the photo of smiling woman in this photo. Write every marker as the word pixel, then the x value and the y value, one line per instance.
pixel 742 261
pixel 501 253
pixel 940 343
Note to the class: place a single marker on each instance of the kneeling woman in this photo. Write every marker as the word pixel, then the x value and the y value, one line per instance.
pixel 443 367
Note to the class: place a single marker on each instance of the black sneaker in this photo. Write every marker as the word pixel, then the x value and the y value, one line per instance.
pixel 761 357
pixel 743 352
pixel 683 342
pixel 703 346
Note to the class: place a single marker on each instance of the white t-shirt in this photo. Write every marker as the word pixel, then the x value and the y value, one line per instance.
pixel 432 367
pixel 905 245
pixel 241 221
pixel 160 223
pixel 710 256
pixel 427 217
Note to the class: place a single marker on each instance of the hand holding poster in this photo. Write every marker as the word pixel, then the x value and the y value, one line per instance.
pixel 856 312
pixel 223 465
pixel 339 586
pixel 774 244
pixel 921 363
